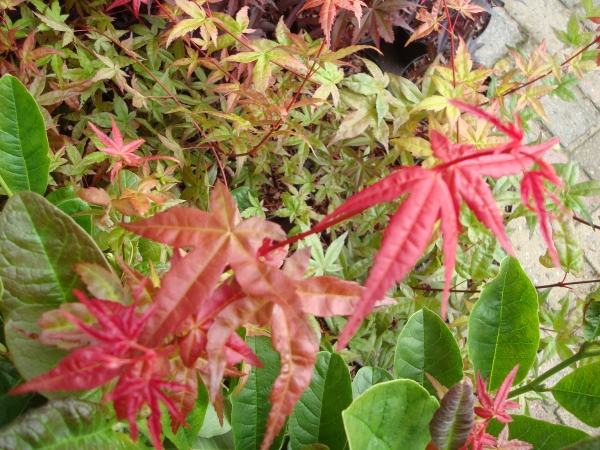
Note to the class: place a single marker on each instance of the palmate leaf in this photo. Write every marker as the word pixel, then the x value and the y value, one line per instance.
pixel 330 8
pixel 189 301
pixel 435 194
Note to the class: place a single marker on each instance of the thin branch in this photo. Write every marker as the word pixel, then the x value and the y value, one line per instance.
pixel 579 219
pixel 474 291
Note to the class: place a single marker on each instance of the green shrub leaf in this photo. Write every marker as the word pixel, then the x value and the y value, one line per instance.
pixel 452 423
pixel 24 161
pixel 317 417
pixel 367 377
pixel 542 435
pixel 591 321
pixel 426 345
pixel 579 393
pixel 589 443
pixel 65 424
pixel 504 326
pixel 39 244
pixel 391 415
pixel 67 201
pixel 250 408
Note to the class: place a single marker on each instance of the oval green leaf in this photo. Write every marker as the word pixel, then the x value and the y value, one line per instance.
pixel 39 244
pixel 591 321
pixel 504 326
pixel 368 377
pixel 579 393
pixel 63 424
pixel 250 408
pixel 317 417
pixel 391 415
pixel 24 161
pixel 590 443
pixel 67 201
pixel 426 345
pixel 542 435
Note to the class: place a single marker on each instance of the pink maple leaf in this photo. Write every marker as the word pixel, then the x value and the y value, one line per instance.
pixel 123 153
pixel 496 407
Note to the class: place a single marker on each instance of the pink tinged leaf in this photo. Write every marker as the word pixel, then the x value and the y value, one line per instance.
pixel 329 296
pixel 219 333
pixel 532 187
pixel 179 227
pixel 514 444
pixel 504 389
pixel 478 196
pixel 183 291
pixel 116 133
pixel 248 239
pixel 104 138
pixel 237 351
pixel 296 265
pixel 388 189
pixel 499 165
pixel 57 330
pixel 184 401
pixel 298 354
pixel 482 395
pixel 95 196
pixel 192 346
pixel 222 205
pixel 85 368
pixel 449 228
pixel 404 241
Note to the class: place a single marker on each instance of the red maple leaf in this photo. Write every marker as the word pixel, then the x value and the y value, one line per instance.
pixel 497 406
pixel 434 194
pixel 115 352
pixel 123 153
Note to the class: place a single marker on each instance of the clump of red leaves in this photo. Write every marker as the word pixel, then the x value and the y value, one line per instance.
pixel 187 327
pixel 437 194
pixel 494 408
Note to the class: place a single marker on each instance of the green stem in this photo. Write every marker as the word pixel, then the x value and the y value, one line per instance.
pixel 5 187
pixel 535 385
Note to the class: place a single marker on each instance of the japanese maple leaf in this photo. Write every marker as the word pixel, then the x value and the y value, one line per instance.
pixel 431 22
pixel 123 153
pixel 135 3
pixel 497 406
pixel 434 194
pixel 220 239
pixel 115 352
pixel 330 8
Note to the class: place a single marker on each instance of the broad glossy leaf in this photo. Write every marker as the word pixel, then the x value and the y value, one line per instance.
pixel 63 424
pixel 591 321
pixel 453 421
pixel 317 417
pixel 392 415
pixel 426 345
pixel 504 326
pixel 541 434
pixel 250 408
pixel 579 393
pixel 67 201
pixel 11 406
pixel 590 443
pixel 39 244
pixel 367 377
pixel 24 161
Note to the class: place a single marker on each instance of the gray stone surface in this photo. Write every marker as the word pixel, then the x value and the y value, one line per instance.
pixel 590 87
pixel 501 31
pixel 538 17
pixel 570 120
pixel 587 155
